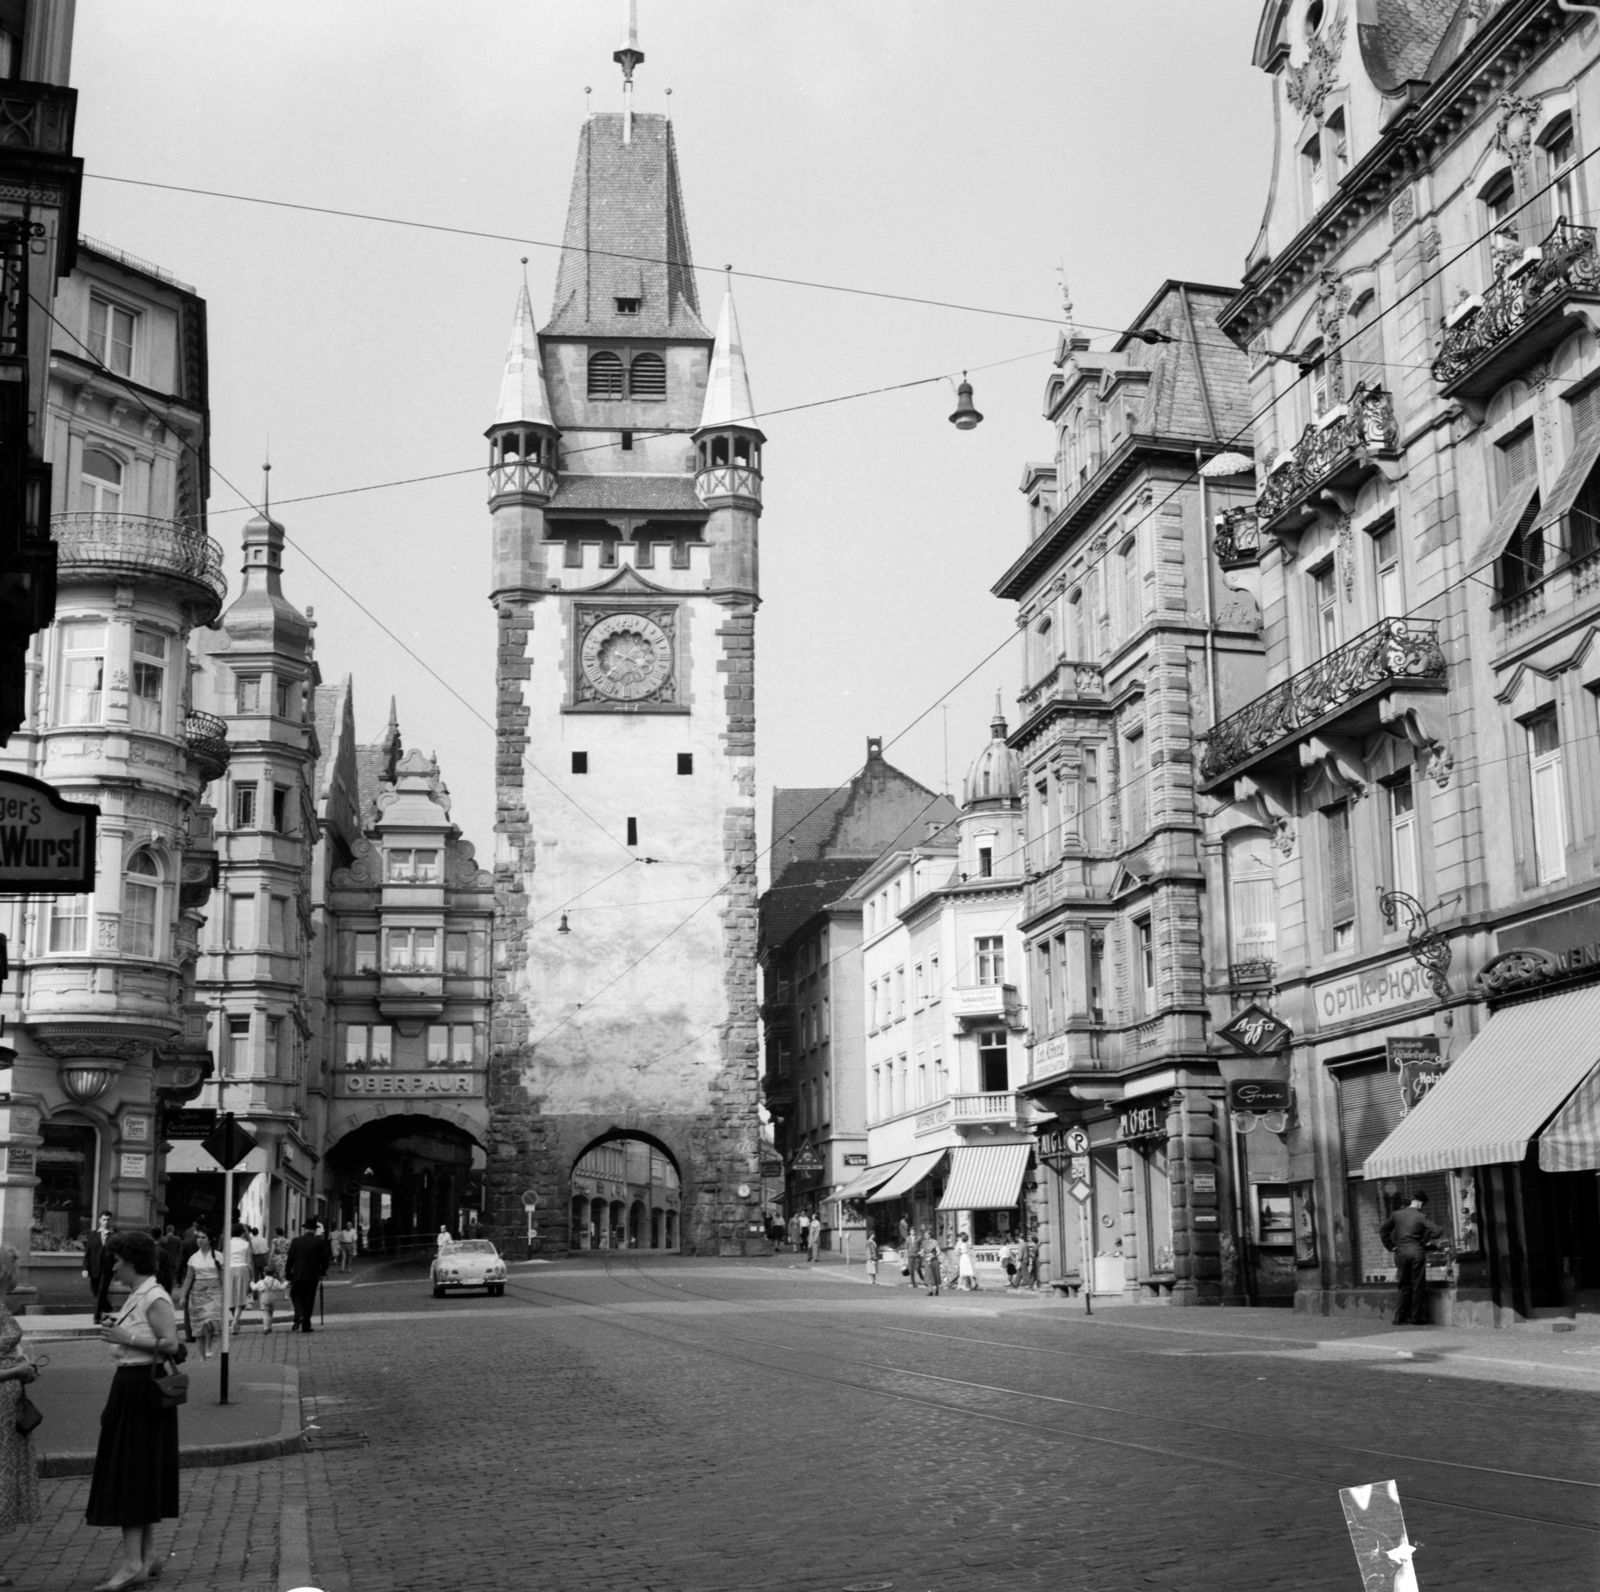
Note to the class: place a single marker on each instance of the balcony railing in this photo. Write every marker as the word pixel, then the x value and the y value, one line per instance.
pixel 37 116
pixel 1256 972
pixel 970 1109
pixel 143 545
pixel 206 736
pixel 1068 681
pixel 1237 538
pixel 1523 289
pixel 1341 442
pixel 982 1000
pixel 1393 651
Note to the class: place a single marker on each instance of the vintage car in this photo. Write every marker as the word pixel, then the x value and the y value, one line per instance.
pixel 467 1263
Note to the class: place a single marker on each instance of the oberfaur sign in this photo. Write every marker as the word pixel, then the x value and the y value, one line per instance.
pixel 1369 992
pixel 46 843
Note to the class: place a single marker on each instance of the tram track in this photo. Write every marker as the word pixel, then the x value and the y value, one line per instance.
pixel 643 1284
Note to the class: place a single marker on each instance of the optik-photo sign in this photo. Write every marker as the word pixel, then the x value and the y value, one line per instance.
pixel 46 843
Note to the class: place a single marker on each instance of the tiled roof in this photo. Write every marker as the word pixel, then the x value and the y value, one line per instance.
pixel 728 401
pixel 1400 43
pixel 805 888
pixel 627 237
pixel 624 493
pixel 522 391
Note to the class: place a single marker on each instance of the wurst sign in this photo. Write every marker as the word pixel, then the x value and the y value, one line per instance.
pixel 46 844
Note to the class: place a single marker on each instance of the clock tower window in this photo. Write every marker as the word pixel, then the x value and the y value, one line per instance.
pixel 686 762
pixel 580 762
pixel 633 831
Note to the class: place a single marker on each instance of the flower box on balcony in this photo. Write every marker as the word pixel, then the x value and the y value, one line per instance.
pixel 1333 455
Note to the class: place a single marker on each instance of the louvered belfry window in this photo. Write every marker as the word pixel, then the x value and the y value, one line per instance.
pixel 605 374
pixel 647 377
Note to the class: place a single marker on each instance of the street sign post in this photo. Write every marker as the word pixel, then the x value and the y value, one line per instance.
pixel 530 1203
pixel 227 1144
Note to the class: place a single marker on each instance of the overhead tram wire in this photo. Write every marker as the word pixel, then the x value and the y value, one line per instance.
pixel 410 651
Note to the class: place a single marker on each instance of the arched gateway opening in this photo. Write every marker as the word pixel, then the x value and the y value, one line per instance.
pixel 403 1177
pixel 626 1194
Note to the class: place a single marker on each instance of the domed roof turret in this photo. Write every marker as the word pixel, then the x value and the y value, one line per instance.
pixel 995 779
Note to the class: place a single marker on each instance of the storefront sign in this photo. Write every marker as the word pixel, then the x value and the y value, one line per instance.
pixel 1203 1182
pixel 1549 949
pixel 1049 1054
pixel 194 1123
pixel 46 843
pixel 1420 1066
pixel 1258 1094
pixel 1143 1122
pixel 136 1130
pixel 133 1166
pixel 19 1159
pixel 806 1159
pixel 1055 1145
pixel 855 1160
pixel 771 1167
pixel 1256 1032
pixel 367 1085
pixel 1365 994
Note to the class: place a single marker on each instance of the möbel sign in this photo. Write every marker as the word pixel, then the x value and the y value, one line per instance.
pixel 46 843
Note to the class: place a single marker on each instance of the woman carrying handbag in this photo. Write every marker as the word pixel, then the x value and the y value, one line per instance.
pixel 136 1465
pixel 19 1469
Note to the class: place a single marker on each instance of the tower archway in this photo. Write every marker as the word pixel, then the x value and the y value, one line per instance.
pixel 627 1193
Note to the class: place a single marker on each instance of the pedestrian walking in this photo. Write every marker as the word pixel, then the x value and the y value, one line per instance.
pixel 1030 1262
pixel 96 1268
pixel 135 1482
pixel 272 1293
pixel 814 1237
pixel 931 1263
pixel 913 1254
pixel 237 1293
pixel 966 1268
pixel 1013 1262
pixel 19 1465
pixel 1408 1232
pixel 872 1259
pixel 438 1243
pixel 191 1242
pixel 259 1249
pixel 202 1294
pixel 172 1245
pixel 794 1233
pixel 347 1246
pixel 307 1264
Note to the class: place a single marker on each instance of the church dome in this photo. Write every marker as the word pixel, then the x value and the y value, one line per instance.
pixel 996 775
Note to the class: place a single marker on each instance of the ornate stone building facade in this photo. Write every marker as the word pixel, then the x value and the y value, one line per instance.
pixel 1134 642
pixel 625 491
pixel 102 1022
pixel 1419 313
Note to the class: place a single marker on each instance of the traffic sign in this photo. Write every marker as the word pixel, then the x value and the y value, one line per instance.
pixel 530 1200
pixel 1079 1192
pixel 228 1144
pixel 806 1159
pixel 1077 1142
pixel 193 1123
pixel 1080 1169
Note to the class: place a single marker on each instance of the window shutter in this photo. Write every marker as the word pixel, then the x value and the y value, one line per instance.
pixel 1549 819
pixel 1586 409
pixel 1341 865
pixel 1369 1111
pixel 1534 223
pixel 1518 461
pixel 1255 922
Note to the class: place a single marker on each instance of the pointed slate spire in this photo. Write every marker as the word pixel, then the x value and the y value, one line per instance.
pixel 728 401
pixel 524 400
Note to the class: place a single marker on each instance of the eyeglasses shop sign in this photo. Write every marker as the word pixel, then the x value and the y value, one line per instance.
pixel 1337 1001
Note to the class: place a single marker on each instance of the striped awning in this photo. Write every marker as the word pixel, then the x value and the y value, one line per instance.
pixel 1506 519
pixel 1572 1142
pixel 907 1178
pixel 985 1177
pixel 858 1188
pixel 1489 1106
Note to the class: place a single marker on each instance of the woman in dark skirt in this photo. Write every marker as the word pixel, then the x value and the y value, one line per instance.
pixel 136 1465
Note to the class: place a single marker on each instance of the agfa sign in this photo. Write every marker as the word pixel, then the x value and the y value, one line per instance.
pixel 46 843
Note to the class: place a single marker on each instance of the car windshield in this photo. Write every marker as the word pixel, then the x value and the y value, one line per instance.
pixel 470 1246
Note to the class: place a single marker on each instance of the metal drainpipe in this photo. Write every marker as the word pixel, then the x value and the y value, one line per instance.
pixel 1205 575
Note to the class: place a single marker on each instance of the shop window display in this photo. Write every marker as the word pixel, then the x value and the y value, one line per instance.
pixel 63 1203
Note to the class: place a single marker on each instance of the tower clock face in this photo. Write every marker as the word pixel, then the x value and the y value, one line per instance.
pixel 626 657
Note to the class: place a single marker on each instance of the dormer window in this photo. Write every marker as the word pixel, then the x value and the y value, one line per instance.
pixel 414 867
pixel 627 306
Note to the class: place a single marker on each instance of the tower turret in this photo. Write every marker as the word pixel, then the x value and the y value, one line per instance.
pixel 522 458
pixel 727 440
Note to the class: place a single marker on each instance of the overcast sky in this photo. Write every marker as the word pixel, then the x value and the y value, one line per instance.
pixel 948 151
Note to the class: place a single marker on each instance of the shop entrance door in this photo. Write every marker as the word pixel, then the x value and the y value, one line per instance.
pixel 1106 1212
pixel 1564 1239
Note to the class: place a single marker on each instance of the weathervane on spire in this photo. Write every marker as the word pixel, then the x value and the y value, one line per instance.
pixel 628 57
pixel 1066 300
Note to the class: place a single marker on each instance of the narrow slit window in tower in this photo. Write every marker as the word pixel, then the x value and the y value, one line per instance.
pixel 633 831
pixel 580 762
pixel 627 442
pixel 686 762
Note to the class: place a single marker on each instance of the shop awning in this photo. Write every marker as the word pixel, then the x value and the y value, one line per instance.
pixel 862 1186
pixel 985 1177
pixel 1572 1142
pixel 907 1178
pixel 1510 1080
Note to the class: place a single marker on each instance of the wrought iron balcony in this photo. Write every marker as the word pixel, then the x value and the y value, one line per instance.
pixel 1066 682
pixel 1520 314
pixel 1256 972
pixel 206 737
pixel 1336 450
pixel 1394 652
pixel 1237 538
pixel 137 544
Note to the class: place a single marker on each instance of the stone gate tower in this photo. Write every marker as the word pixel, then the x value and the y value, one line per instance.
pixel 625 491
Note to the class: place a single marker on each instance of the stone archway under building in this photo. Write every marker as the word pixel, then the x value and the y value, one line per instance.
pixel 400 1172
pixel 626 1192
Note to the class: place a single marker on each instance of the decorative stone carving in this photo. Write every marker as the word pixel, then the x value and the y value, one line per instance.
pixel 1429 244
pixel 69 1045
pixel 1404 210
pixel 1522 968
pixel 1513 128
pixel 1347 556
pixel 1283 836
pixel 1308 86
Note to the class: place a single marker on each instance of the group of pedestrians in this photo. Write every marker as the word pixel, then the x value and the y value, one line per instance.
pixel 805 1232
pixel 925 1264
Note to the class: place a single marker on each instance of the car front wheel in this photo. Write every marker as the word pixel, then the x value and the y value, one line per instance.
pixel 438 1292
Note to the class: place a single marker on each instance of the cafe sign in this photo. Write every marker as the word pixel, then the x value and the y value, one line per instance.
pixel 46 842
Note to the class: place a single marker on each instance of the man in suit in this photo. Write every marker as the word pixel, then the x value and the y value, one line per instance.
pixel 305 1266
pixel 1408 1233
pixel 97 1265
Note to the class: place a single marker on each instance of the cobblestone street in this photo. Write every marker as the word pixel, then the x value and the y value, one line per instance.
pixel 705 1426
